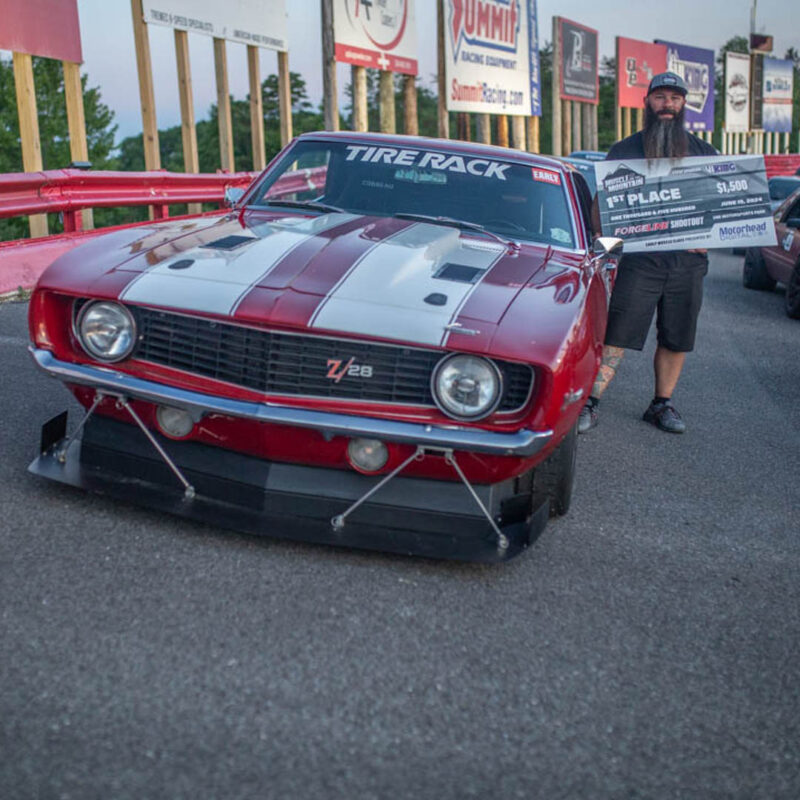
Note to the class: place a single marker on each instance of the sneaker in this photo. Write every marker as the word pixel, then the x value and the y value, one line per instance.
pixel 665 417
pixel 587 418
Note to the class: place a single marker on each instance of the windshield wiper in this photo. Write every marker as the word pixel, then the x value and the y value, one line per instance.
pixel 309 204
pixel 458 223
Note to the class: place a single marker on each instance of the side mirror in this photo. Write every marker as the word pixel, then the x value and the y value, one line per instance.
pixel 608 247
pixel 792 222
pixel 233 194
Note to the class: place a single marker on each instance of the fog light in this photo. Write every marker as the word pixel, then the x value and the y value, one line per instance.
pixel 174 422
pixel 367 455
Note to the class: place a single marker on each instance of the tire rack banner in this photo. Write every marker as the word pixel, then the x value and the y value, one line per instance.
pixel 261 23
pixel 492 57
pixel 778 88
pixel 737 92
pixel 47 28
pixel 696 66
pixel 580 79
pixel 664 204
pixel 637 63
pixel 379 34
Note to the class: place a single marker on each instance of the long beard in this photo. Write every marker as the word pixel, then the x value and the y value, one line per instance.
pixel 664 138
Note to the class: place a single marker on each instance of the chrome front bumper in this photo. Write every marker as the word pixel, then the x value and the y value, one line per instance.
pixel 117 384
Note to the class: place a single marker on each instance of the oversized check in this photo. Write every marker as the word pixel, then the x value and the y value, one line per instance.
pixel 703 202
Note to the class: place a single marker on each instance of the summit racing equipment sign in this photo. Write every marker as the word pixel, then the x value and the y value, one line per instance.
pixel 492 57
pixel 380 34
pixel 444 162
pixel 707 202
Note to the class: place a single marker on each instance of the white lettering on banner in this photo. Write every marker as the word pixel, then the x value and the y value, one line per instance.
pixel 439 161
pixel 662 196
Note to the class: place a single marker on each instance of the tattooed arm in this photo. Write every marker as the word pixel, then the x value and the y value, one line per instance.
pixel 612 356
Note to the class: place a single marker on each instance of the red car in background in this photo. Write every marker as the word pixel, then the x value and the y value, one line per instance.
pixel 385 344
pixel 766 266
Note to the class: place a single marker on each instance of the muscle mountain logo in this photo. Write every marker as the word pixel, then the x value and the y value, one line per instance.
pixel 484 23
pixel 621 179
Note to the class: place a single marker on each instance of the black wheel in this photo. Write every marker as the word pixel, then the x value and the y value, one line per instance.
pixel 553 478
pixel 792 299
pixel 754 272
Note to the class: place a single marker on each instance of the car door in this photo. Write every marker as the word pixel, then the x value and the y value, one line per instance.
pixel 781 260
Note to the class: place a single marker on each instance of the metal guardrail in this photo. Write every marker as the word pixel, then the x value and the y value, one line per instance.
pixel 69 191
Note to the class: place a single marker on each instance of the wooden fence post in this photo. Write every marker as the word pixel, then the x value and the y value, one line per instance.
pixel 285 97
pixel 386 101
pixel 29 129
pixel 152 155
pixel 410 112
pixel 256 108
pixel 76 122
pixel 223 106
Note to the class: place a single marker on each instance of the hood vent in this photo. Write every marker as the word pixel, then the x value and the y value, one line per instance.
pixel 459 272
pixel 228 242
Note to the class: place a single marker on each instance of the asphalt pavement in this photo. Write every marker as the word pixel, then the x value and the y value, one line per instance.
pixel 647 647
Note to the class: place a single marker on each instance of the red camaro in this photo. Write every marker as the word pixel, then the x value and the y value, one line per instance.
pixel 766 266
pixel 385 343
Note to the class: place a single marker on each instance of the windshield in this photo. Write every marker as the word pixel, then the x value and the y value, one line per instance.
pixel 517 201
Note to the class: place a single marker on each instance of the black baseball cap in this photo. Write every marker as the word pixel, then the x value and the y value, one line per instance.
pixel 668 80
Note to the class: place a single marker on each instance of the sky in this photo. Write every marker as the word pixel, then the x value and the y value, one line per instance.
pixel 110 61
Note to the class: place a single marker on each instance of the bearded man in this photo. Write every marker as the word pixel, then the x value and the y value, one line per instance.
pixel 668 282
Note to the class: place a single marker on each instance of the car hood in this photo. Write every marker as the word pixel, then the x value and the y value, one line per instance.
pixel 339 273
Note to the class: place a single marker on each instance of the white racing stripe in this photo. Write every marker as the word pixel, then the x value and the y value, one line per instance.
pixel 384 295
pixel 218 280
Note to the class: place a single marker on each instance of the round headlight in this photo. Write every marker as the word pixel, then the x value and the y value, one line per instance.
pixel 107 331
pixel 466 387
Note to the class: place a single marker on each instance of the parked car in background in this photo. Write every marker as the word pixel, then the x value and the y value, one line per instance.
pixel 586 169
pixel 589 155
pixel 780 187
pixel 766 266
pixel 385 344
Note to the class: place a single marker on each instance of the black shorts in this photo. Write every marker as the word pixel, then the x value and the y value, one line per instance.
pixel 670 283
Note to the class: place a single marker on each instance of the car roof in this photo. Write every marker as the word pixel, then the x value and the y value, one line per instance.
pixel 423 142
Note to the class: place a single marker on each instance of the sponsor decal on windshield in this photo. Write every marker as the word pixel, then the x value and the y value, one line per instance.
pixel 444 162
pixel 546 176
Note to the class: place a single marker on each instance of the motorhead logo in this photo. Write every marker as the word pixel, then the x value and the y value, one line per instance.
pixel 383 22
pixel 486 23
pixel 738 92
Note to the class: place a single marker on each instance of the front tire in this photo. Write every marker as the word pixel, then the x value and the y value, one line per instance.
pixel 553 479
pixel 754 271
pixel 792 299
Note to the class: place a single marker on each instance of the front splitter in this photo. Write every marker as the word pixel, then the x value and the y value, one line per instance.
pixel 249 495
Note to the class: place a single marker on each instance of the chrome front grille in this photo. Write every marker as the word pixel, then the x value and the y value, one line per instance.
pixel 290 364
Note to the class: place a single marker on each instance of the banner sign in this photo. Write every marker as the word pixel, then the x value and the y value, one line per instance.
pixel 737 92
pixel 681 204
pixel 637 63
pixel 47 28
pixel 696 66
pixel 379 34
pixel 580 78
pixel 778 88
pixel 261 23
pixel 492 57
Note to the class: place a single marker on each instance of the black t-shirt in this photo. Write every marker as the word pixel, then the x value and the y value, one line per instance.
pixel 633 147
